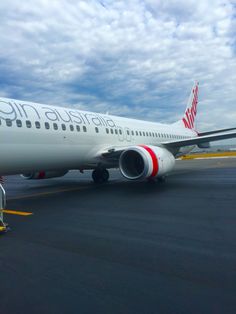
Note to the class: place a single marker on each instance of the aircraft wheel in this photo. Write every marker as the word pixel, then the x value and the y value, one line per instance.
pixel 105 175
pixel 162 179
pixel 100 175
pixel 151 180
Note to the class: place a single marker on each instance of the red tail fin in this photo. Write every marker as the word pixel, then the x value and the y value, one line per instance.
pixel 189 118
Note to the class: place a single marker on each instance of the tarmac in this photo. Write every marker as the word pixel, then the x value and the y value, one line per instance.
pixel 122 247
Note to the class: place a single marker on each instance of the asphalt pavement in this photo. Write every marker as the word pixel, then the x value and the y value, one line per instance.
pixel 122 247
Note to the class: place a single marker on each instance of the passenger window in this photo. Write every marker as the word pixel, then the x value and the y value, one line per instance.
pixel 152 134
pixel 8 122
pixel 140 133
pixel 116 131
pixel 55 126
pixel 120 131
pixel 143 133
pixel 146 133
pixel 136 133
pixel 127 132
pixel 132 132
pixel 0 122
pixel 47 126
pixel 19 123
pixel 37 125
pixel 71 127
pixel 28 124
pixel 96 129
pixel 107 130
pixel 63 126
pixel 78 128
pixel 84 128
pixel 111 131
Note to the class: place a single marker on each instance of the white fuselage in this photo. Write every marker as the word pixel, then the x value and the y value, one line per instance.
pixel 35 137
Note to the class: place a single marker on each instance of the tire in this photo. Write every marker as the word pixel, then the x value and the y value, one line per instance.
pixel 105 175
pixel 100 175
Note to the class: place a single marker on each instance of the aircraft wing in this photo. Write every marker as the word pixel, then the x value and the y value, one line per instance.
pixel 215 131
pixel 200 139
pixel 113 153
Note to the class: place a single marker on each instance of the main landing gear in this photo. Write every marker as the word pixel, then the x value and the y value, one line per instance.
pixel 100 175
pixel 161 179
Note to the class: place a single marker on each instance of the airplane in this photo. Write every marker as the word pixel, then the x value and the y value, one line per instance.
pixel 43 141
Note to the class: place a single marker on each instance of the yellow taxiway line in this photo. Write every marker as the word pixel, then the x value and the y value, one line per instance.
pixel 16 212
pixel 46 193
pixel 209 155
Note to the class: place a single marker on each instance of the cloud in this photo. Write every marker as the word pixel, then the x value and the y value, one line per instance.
pixel 133 58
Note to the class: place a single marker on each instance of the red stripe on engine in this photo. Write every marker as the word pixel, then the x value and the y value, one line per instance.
pixel 154 160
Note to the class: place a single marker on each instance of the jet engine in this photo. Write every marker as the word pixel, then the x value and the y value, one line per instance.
pixel 140 162
pixel 43 175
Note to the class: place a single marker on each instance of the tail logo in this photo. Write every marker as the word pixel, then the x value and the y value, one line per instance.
pixel 191 112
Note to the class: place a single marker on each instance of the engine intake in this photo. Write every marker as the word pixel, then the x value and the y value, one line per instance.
pixel 140 162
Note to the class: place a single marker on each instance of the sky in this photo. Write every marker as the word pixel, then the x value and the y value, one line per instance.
pixel 134 58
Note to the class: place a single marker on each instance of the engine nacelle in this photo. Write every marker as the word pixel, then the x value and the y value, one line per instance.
pixel 204 145
pixel 140 162
pixel 43 175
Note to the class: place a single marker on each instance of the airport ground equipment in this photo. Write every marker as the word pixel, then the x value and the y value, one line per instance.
pixel 3 225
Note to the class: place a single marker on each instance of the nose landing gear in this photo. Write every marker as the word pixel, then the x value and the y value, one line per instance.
pixel 100 175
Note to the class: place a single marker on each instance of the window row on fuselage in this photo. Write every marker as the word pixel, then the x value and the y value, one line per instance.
pixel 147 134
pixel 46 125
pixel 109 131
